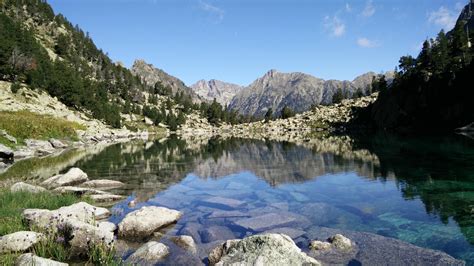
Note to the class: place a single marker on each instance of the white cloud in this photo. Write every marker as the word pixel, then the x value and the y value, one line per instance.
pixel 369 9
pixel 212 9
pixel 348 8
pixel 366 43
pixel 442 17
pixel 335 26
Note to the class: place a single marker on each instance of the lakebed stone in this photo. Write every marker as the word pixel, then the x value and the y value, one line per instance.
pixel 222 202
pixel 19 241
pixel 149 254
pixel 185 242
pixel 266 221
pixel 103 184
pixel 73 177
pixel 143 222
pixel 214 233
pixel 24 187
pixel 265 249
pixel 31 259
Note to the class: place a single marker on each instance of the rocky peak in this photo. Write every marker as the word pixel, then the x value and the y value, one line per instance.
pixel 222 91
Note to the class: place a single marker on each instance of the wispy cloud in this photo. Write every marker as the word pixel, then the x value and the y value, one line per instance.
pixel 443 17
pixel 212 9
pixel 348 8
pixel 335 26
pixel 369 9
pixel 366 43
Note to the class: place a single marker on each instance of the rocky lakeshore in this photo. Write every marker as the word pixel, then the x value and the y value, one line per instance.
pixel 146 235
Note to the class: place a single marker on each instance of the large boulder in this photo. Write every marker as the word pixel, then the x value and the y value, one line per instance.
pixel 267 249
pixel 148 254
pixel 19 241
pixel 74 176
pixel 31 259
pixel 86 235
pixel 81 211
pixel 143 222
pixel 24 187
pixel 6 153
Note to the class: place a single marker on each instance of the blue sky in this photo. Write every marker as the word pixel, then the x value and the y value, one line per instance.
pixel 239 40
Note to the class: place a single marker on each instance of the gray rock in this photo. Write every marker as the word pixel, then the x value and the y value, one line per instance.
pixel 81 211
pixel 223 92
pixel 77 190
pixel 223 202
pixel 107 226
pixel 21 186
pixel 341 242
pixel 214 233
pixel 31 259
pixel 103 184
pixel 19 241
pixel 74 176
pixel 57 144
pixel 266 221
pixel 149 254
pixel 86 235
pixel 41 146
pixel 143 222
pixel 101 198
pixel 5 153
pixel 185 242
pixel 227 214
pixel 191 229
pixel 269 249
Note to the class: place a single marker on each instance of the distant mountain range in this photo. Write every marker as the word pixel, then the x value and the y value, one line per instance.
pixel 276 90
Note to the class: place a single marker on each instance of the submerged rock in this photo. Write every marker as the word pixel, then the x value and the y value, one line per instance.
pixel 149 253
pixel 24 187
pixel 73 177
pixel 214 233
pixel 19 241
pixel 266 221
pixel 143 222
pixel 102 184
pixel 185 242
pixel 222 202
pixel 267 249
pixel 31 259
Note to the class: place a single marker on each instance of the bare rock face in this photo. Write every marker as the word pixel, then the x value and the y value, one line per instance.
pixel 222 91
pixel 149 254
pixel 24 187
pixel 143 222
pixel 30 259
pixel 73 177
pixel 19 241
pixel 268 249
pixel 151 75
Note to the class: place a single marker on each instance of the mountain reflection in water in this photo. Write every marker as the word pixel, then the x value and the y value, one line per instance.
pixel 419 191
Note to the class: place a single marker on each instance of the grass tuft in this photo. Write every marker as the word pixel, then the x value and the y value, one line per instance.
pixel 24 125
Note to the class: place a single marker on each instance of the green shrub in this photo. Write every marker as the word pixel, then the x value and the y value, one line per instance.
pixel 15 87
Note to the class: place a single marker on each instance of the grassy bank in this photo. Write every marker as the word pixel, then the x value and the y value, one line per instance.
pixel 11 206
pixel 24 125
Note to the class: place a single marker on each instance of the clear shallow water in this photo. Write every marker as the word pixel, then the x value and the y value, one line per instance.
pixel 419 191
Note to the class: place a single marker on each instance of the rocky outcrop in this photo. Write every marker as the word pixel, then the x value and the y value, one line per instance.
pixel 149 254
pixel 143 222
pixel 151 75
pixel 31 259
pixel 19 241
pixel 298 91
pixel 222 91
pixel 73 177
pixel 269 249
pixel 24 187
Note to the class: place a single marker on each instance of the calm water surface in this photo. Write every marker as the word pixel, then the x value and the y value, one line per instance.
pixel 419 191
